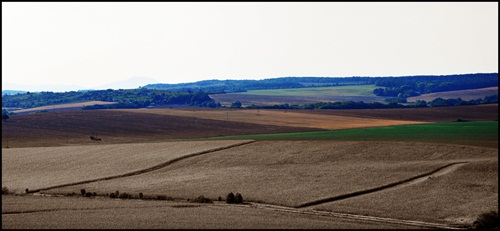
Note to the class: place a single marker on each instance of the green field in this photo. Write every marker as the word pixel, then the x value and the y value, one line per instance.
pixel 351 90
pixel 446 132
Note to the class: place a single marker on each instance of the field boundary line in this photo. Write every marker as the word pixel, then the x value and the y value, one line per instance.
pixel 141 171
pixel 371 190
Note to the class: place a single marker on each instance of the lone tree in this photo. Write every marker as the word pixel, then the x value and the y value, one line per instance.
pixel 230 199
pixel 238 198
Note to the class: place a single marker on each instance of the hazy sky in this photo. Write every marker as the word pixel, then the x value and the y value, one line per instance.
pixel 92 44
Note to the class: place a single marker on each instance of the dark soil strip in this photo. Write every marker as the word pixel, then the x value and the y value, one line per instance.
pixel 156 167
pixel 366 191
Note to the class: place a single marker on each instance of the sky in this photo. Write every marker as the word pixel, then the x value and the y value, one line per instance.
pixel 88 45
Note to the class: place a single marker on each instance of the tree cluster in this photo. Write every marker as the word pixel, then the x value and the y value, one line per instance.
pixel 129 98
pixel 404 87
pixel 438 102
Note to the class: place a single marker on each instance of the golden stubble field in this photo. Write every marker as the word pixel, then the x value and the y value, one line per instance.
pixel 279 118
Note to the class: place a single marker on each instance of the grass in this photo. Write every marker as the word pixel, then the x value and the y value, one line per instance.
pixel 352 90
pixel 446 131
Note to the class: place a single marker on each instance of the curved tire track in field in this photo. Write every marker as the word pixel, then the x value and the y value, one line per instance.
pixel 413 180
pixel 156 167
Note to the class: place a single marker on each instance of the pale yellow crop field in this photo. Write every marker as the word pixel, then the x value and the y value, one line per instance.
pixel 279 118
pixel 42 167
pixel 469 94
pixel 66 105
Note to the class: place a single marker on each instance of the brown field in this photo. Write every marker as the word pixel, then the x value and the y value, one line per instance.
pixel 65 128
pixel 446 184
pixel 463 94
pixel 63 106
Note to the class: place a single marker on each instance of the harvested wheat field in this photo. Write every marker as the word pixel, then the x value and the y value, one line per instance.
pixel 43 167
pixel 470 94
pixel 63 106
pixel 295 173
pixel 288 118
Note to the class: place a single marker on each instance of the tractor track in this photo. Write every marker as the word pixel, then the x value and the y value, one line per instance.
pixel 411 180
pixel 153 168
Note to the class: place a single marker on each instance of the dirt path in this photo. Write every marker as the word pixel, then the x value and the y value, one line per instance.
pixel 314 212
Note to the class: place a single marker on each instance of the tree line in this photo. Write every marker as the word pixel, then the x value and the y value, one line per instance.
pixel 404 87
pixel 392 86
pixel 128 98
pixel 438 102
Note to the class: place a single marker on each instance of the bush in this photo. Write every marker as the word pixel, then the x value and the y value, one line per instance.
pixel 82 191
pixel 202 199
pixel 487 220
pixel 5 191
pixel 230 198
pixel 238 199
pixel 141 195
pixel 88 194
pixel 112 195
pixel 161 197
pixel 123 196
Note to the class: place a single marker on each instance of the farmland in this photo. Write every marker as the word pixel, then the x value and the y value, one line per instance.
pixel 67 106
pixel 463 94
pixel 301 95
pixel 394 168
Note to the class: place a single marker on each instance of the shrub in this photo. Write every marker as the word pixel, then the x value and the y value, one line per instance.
pixel 238 199
pixel 230 198
pixel 82 191
pixel 5 191
pixel 123 196
pixel 112 195
pixel 88 194
pixel 117 193
pixel 219 199
pixel 141 195
pixel 488 220
pixel 202 199
pixel 161 197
